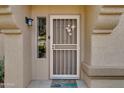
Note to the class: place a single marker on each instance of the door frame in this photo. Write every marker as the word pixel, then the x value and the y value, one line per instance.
pixel 77 76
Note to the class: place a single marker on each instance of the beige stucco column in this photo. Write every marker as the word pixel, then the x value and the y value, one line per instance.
pixel 104 50
pixel 13 45
pixel 17 48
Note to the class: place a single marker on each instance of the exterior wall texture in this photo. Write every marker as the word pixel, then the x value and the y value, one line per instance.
pixel 1 45
pixel 91 16
pixel 108 49
pixel 18 50
pixel 20 13
pixel 104 58
pixel 13 61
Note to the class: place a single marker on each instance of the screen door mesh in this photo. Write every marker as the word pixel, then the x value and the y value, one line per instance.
pixel 64 46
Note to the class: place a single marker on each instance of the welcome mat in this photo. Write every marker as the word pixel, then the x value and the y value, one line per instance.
pixel 64 84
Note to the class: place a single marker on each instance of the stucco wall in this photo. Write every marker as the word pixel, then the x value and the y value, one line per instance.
pixel 90 19
pixel 108 49
pixel 40 67
pixel 20 12
pixel 1 45
pixel 13 60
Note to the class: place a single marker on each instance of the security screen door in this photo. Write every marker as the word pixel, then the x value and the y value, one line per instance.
pixel 64 46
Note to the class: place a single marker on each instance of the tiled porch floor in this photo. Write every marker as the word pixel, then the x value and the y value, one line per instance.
pixel 47 83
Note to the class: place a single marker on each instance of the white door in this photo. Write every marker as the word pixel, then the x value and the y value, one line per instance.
pixel 64 46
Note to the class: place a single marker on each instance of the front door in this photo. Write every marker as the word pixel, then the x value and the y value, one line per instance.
pixel 64 46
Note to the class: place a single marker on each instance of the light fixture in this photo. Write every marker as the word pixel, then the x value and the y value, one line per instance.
pixel 28 21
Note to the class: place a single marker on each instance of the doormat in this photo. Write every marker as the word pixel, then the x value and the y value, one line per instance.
pixel 64 84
